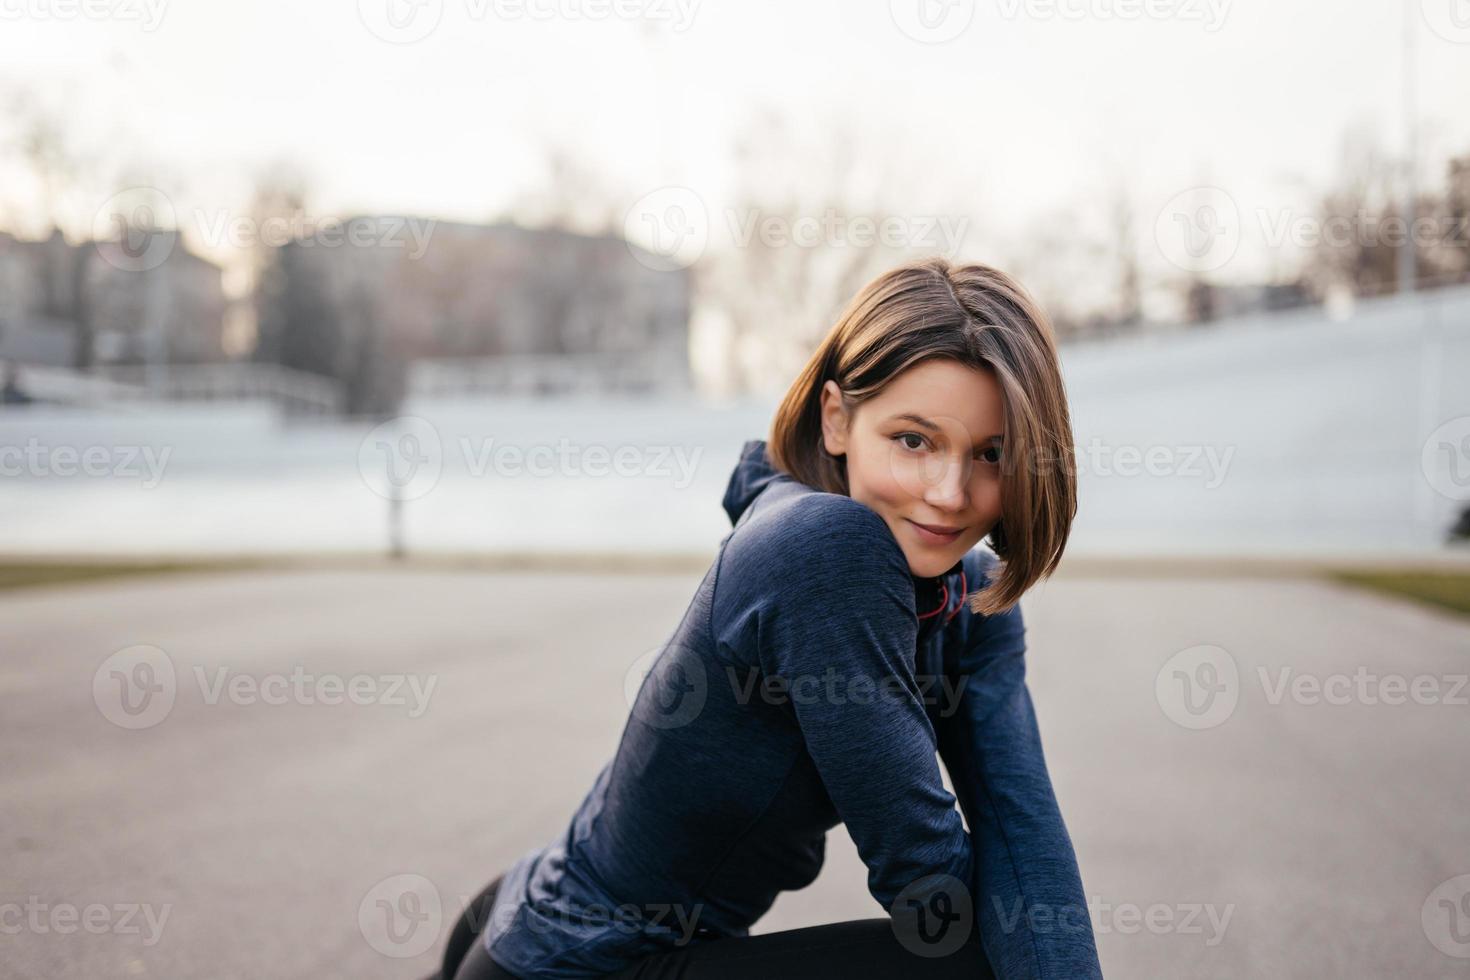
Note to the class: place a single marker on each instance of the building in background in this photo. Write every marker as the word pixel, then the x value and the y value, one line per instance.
pixel 488 309
pixel 172 314
pixel 72 306
pixel 28 333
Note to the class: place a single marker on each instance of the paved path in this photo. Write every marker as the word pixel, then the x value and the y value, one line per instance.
pixel 242 838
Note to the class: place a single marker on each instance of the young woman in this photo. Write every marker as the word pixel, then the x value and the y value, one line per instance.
pixel 845 634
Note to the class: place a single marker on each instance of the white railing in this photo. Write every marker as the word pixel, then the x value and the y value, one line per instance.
pixel 235 381
pixel 654 372
pixel 295 391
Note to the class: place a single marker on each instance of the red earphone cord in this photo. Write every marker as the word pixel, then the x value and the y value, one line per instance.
pixel 945 601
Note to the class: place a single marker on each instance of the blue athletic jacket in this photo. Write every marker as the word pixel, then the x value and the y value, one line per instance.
pixel 811 681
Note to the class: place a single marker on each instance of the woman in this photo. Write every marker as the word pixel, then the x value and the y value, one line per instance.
pixel 845 633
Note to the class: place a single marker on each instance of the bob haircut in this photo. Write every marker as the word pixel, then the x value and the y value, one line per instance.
pixel 984 319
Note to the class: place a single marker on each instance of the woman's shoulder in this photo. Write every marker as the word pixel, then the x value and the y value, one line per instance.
pixel 817 511
pixel 816 525
pixel 813 534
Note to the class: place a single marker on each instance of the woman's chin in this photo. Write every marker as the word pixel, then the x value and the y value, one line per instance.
pixel 929 563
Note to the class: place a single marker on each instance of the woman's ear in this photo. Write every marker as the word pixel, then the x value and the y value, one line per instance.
pixel 835 420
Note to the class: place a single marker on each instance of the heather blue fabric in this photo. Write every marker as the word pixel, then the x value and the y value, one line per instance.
pixel 723 787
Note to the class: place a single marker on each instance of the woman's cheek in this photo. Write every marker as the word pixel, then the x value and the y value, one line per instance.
pixel 897 481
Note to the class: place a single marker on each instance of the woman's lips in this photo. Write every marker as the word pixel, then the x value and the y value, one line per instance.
pixel 929 534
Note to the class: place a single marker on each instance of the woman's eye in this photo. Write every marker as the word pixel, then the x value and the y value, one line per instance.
pixel 991 455
pixel 905 436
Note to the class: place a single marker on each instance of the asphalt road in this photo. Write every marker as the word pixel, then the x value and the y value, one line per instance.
pixel 237 823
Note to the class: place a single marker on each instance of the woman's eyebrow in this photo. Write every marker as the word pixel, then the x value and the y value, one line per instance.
pixel 921 421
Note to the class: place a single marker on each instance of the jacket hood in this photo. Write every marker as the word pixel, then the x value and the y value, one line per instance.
pixel 752 474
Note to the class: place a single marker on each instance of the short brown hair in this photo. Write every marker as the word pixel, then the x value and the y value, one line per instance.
pixel 984 319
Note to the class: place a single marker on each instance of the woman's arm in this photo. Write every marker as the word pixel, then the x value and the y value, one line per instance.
pixel 819 594
pixel 1029 903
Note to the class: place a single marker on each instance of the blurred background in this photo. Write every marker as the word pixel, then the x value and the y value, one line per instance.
pixel 410 343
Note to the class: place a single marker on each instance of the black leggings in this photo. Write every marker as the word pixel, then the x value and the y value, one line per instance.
pixel 862 949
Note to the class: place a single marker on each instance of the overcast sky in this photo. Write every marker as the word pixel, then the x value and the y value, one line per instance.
pixel 1019 113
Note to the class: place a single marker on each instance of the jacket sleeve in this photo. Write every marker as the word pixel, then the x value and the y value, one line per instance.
pixel 827 600
pixel 1030 907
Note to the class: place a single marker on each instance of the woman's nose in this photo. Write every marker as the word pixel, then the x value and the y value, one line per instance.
pixel 946 488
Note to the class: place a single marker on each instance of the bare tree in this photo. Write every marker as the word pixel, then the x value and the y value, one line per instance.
pixel 72 180
pixel 47 148
pixel 1353 215
pixel 1448 256
pixel 575 196
pixel 780 294
pixel 1129 311
pixel 1364 226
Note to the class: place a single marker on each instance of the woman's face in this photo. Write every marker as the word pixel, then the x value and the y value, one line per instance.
pixel 925 454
